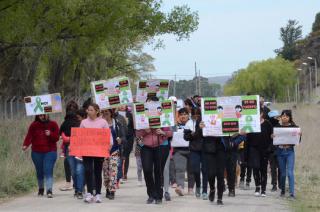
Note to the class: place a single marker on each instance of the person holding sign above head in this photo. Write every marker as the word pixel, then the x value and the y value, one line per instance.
pixel 259 148
pixel 285 153
pixel 93 165
pixel 43 135
pixel 153 159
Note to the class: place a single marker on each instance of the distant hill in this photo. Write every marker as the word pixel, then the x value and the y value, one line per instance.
pixel 219 80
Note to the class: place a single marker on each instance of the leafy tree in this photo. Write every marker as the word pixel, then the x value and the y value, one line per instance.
pixel 289 35
pixel 316 23
pixel 270 78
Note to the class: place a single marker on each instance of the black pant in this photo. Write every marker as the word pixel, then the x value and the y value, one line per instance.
pixel 245 171
pixel 93 173
pixel 260 174
pixel 153 162
pixel 231 167
pixel 127 151
pixel 275 171
pixel 216 165
pixel 67 170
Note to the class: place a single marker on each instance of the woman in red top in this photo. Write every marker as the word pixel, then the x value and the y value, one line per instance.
pixel 43 135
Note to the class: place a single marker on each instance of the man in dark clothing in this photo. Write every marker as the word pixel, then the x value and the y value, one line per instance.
pixel 265 109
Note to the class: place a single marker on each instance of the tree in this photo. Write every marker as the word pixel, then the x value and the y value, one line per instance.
pixel 75 39
pixel 289 35
pixel 316 23
pixel 271 78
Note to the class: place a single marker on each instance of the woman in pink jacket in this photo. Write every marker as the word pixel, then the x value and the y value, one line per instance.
pixel 153 159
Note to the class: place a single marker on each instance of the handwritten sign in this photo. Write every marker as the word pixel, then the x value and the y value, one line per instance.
pixel 90 142
pixel 224 116
pixel 286 135
pixel 44 104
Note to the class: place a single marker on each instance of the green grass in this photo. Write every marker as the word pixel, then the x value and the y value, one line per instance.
pixel 17 171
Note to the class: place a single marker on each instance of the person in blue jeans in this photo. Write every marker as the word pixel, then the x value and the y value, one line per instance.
pixel 43 135
pixel 286 156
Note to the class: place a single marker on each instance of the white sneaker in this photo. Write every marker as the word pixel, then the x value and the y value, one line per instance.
pixel 88 198
pixel 140 184
pixel 263 194
pixel 98 198
pixel 257 194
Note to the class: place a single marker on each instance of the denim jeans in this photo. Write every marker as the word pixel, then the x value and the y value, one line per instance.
pixel 198 163
pixel 77 172
pixel 44 164
pixel 286 160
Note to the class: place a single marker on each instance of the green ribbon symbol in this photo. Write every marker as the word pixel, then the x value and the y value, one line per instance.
pixel 38 106
pixel 248 127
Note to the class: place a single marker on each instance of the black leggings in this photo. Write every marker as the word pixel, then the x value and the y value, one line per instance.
pixel 93 173
pixel 216 165
pixel 67 170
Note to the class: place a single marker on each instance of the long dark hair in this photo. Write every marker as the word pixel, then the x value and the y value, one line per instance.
pixel 289 114
pixel 38 119
pixel 72 106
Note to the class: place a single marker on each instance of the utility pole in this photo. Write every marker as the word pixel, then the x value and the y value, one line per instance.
pixel 174 84
pixel 316 75
pixel 199 84
pixel 310 83
pixel 195 70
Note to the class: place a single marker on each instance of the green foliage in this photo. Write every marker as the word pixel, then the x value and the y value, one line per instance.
pixel 76 41
pixel 186 88
pixel 316 23
pixel 270 78
pixel 289 35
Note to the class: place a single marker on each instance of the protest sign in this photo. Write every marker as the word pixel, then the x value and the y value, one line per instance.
pixel 153 114
pixel 154 87
pixel 90 142
pixel 111 93
pixel 44 104
pixel 286 136
pixel 224 116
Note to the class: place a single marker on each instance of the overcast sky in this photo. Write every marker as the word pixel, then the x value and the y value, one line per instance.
pixel 231 34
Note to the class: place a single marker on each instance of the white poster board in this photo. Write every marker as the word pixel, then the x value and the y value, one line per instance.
pixel 224 116
pixel 153 115
pixel 111 93
pixel 152 87
pixel 43 104
pixel 286 136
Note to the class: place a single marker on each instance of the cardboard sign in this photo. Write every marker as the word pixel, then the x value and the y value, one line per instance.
pixel 90 142
pixel 155 87
pixel 224 116
pixel 111 93
pixel 44 104
pixel 286 136
pixel 153 114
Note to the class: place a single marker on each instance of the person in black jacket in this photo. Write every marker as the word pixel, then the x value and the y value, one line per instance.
pixel 193 134
pixel 259 148
pixel 232 143
pixel 215 156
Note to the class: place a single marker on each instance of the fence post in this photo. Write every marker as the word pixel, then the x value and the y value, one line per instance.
pixel 11 107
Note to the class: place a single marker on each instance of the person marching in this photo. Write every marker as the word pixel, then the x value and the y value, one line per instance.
pixel 286 156
pixel 259 148
pixel 193 134
pixel 43 135
pixel 111 164
pixel 93 165
pixel 153 158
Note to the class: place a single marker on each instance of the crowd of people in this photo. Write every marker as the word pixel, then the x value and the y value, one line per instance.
pixel 164 155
